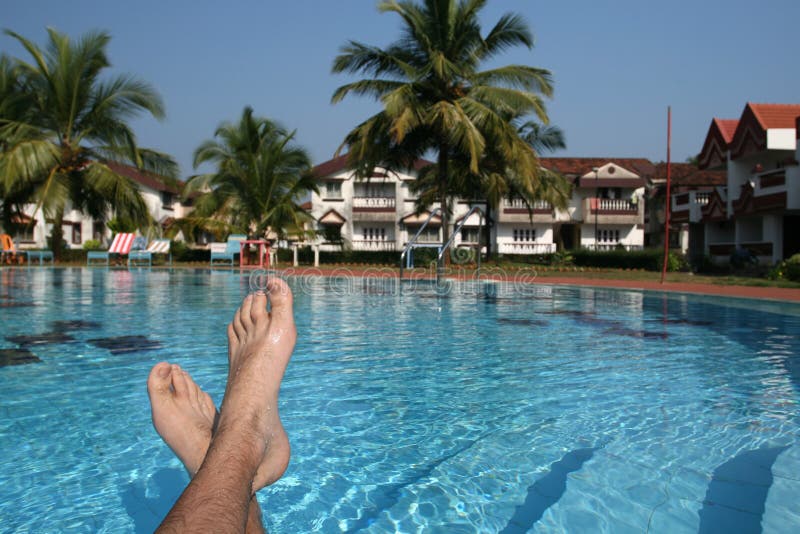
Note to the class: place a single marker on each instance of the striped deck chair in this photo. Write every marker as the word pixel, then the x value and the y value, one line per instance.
pixel 157 246
pixel 121 245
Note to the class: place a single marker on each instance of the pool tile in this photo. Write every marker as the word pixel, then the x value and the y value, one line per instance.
pixel 123 344
pixel 40 339
pixel 10 357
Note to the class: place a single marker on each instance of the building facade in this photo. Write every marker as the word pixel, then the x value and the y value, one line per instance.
pixel 606 210
pixel 757 209
pixel 163 202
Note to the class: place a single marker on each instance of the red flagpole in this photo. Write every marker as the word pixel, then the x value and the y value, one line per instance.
pixel 668 200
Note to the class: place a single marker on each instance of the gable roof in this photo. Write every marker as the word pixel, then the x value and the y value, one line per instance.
pixel 715 147
pixel 756 119
pixel 144 178
pixel 339 163
pixel 686 174
pixel 576 167
pixel 775 115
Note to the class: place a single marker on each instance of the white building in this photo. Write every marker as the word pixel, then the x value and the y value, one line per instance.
pixel 757 209
pixel 162 202
pixel 606 210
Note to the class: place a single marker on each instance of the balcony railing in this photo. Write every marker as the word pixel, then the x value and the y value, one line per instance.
pixel 702 197
pixel 613 246
pixel 377 203
pixel 373 244
pixel 519 204
pixel 522 247
pixel 614 205
pixel 690 200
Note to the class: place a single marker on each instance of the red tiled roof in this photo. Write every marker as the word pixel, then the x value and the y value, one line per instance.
pixel 756 119
pixel 143 177
pixel 339 163
pixel 686 174
pixel 580 166
pixel 715 147
pixel 306 206
pixel 727 127
pixel 775 115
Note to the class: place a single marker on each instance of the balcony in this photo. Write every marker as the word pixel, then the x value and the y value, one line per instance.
pixel 523 247
pixel 612 245
pixel 612 211
pixel 688 206
pixel 373 244
pixel 516 211
pixel 374 209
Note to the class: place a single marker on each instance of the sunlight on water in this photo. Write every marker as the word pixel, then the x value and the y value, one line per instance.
pixel 410 409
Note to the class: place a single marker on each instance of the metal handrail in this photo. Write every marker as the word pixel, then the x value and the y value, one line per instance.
pixel 456 230
pixel 413 240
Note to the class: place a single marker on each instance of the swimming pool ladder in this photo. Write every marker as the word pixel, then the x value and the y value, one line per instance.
pixel 456 230
pixel 407 256
pixel 408 251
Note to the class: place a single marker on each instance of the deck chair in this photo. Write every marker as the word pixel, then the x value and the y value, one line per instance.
pixel 232 248
pixel 9 253
pixel 40 255
pixel 156 246
pixel 122 244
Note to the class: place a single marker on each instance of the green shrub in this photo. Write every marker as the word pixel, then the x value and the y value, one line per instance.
pixel 182 252
pixel 73 255
pixel 648 259
pixel 788 269
pixel 92 244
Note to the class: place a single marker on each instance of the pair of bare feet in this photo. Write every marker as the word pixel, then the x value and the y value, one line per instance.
pixel 260 343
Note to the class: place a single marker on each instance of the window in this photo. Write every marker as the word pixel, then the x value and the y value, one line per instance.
pixel 332 190
pixel 167 199
pixel 22 232
pixel 524 234
pixel 373 234
pixel 429 234
pixel 610 192
pixel 76 233
pixel 332 233
pixel 469 235
pixel 98 228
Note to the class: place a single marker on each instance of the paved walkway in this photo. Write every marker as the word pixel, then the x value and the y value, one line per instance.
pixel 769 293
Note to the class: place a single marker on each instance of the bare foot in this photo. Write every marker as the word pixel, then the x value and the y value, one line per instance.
pixel 260 344
pixel 183 414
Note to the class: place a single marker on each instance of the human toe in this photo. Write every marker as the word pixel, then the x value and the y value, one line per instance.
pixel 258 309
pixel 159 380
pixel 281 302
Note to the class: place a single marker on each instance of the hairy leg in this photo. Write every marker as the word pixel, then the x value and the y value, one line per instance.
pixel 184 417
pixel 249 430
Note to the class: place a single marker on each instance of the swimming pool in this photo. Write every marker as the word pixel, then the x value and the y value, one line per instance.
pixel 480 410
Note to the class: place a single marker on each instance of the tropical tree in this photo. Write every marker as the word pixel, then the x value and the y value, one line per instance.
pixel 56 151
pixel 259 180
pixel 435 96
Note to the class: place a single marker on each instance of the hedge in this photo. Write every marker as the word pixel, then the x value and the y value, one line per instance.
pixel 649 259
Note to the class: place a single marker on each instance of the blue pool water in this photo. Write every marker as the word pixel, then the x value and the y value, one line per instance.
pixel 486 409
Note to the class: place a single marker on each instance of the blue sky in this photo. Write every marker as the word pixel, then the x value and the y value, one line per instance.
pixel 617 64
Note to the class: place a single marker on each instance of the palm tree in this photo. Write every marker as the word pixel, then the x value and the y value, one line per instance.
pixel 496 179
pixel 435 97
pixel 58 150
pixel 259 180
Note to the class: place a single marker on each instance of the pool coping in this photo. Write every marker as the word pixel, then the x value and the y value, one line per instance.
pixel 777 294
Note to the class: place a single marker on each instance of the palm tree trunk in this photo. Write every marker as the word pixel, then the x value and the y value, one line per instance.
pixel 56 239
pixel 487 230
pixel 443 170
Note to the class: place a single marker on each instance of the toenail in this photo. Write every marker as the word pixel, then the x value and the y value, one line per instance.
pixel 163 371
